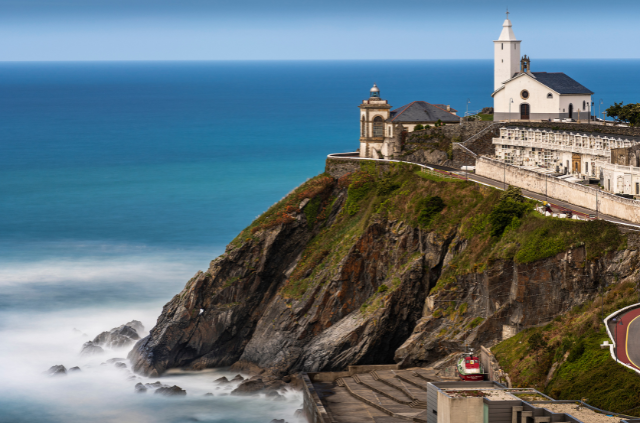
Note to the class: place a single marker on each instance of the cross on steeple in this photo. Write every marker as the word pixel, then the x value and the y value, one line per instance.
pixel 507 13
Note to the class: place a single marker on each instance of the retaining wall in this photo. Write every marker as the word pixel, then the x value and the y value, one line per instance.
pixel 312 406
pixel 577 194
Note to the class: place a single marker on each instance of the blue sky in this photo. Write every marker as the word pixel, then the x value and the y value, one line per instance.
pixel 304 29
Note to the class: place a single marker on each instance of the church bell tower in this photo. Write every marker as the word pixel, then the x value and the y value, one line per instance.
pixel 506 55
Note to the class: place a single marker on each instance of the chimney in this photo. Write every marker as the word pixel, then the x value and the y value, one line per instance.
pixel 448 108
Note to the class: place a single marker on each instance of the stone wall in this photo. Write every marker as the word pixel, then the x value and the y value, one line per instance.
pixel 579 195
pixel 580 127
pixel 313 409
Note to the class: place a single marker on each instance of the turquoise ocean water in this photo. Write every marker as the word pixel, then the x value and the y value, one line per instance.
pixel 118 181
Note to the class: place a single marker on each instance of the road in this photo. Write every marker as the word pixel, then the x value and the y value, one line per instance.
pixel 626 333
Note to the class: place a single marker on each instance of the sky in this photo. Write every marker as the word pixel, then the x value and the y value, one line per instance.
pixel 311 30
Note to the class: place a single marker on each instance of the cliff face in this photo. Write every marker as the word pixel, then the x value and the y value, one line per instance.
pixel 340 271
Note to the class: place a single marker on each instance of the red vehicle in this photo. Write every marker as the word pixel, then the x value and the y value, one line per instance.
pixel 469 367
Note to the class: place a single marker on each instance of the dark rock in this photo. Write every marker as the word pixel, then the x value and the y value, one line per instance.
pixel 90 348
pixel 256 378
pixel 115 360
pixel 275 385
pixel 140 388
pixel 155 385
pixel 120 365
pixel 57 370
pixel 237 378
pixel 277 421
pixel 171 391
pixel 208 394
pixel 249 387
pixel 286 379
pixel 74 369
pixel 121 336
pixel 221 380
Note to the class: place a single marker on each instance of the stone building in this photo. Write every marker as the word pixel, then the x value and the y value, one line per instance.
pixel 382 130
pixel 520 94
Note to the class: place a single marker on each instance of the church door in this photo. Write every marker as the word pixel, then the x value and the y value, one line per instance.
pixel 524 111
pixel 571 110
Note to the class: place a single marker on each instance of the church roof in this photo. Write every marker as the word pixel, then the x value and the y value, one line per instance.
pixel 561 83
pixel 421 111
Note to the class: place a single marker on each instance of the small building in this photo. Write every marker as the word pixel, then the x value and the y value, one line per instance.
pixel 382 130
pixel 520 94
pixel 621 174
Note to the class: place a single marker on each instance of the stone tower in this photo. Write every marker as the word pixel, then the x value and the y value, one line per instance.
pixel 373 114
pixel 506 55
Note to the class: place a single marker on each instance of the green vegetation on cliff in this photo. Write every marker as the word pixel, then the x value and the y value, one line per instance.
pixel 497 225
pixel 567 351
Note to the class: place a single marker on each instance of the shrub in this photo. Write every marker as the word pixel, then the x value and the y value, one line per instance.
pixel 428 207
pixel 386 186
pixel 383 288
pixel 536 342
pixel 577 351
pixel 418 127
pixel 475 322
pixel 504 213
pixel 513 193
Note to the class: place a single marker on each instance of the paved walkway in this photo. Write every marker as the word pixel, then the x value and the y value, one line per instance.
pixel 383 396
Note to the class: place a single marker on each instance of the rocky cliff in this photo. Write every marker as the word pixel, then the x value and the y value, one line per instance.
pixel 372 263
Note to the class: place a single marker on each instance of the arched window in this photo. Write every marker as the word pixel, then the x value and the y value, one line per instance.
pixel 502 46
pixel 584 105
pixel 549 95
pixel 362 127
pixel 389 131
pixel 378 127
pixel 570 110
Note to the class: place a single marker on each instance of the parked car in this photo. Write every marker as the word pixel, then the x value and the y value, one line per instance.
pixel 568 120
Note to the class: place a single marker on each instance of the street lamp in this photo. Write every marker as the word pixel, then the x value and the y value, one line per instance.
pixel 599 106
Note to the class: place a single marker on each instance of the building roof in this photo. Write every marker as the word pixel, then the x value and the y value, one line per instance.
pixel 561 83
pixel 421 111
pixel 444 107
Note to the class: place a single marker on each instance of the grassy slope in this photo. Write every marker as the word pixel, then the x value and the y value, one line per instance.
pixel 588 372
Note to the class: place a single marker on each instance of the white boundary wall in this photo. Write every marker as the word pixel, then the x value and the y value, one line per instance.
pixel 577 194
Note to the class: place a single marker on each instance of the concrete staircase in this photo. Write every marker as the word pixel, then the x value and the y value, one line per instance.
pixel 384 396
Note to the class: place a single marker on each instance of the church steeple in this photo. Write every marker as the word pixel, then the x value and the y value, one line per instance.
pixel 506 54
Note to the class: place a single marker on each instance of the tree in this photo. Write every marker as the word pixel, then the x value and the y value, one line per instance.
pixel 615 111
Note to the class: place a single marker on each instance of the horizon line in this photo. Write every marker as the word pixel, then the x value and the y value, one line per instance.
pixel 284 60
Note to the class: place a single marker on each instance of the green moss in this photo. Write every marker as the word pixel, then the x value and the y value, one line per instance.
pixel 475 322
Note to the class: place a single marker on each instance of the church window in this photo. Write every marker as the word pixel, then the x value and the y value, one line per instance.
pixel 378 127
pixel 503 48
pixel 524 94
pixel 584 105
pixel 549 95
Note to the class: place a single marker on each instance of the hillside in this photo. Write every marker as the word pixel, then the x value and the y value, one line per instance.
pixel 380 263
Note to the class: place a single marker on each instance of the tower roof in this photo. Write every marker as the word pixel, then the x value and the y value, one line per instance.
pixel 507 31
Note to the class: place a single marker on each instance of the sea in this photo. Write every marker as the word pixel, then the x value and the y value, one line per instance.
pixel 120 180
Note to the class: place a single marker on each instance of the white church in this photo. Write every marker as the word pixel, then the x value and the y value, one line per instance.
pixel 522 95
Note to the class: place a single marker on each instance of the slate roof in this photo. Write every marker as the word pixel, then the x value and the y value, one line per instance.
pixel 561 83
pixel 421 111
pixel 444 107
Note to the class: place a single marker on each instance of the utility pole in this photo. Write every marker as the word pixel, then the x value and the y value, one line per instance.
pixel 599 106
pixel 597 189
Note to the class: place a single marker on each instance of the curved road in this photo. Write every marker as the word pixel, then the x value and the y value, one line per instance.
pixel 626 333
